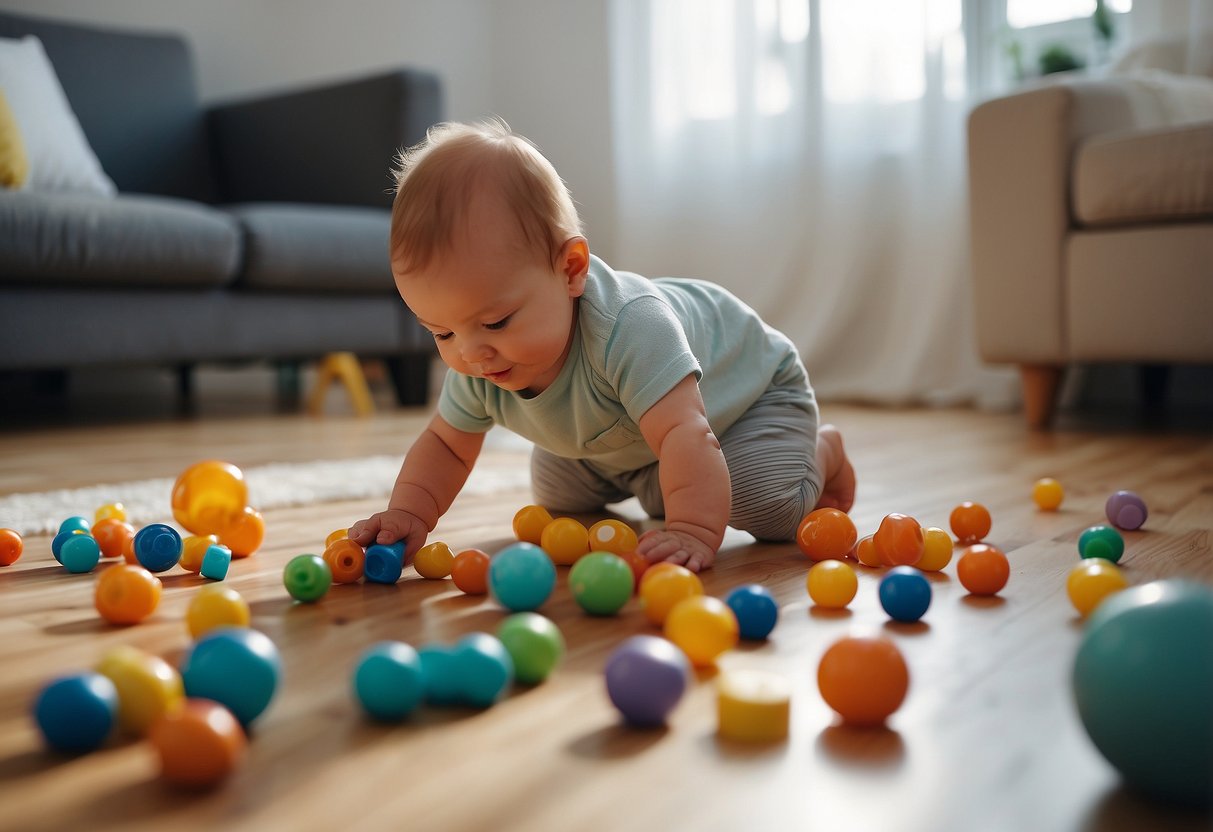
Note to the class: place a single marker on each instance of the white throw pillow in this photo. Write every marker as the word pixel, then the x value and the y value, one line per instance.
pixel 60 158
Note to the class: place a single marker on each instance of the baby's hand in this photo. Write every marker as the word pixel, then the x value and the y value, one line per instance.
pixel 388 527
pixel 676 547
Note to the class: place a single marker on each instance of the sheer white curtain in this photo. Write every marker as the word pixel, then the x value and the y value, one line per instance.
pixel 809 155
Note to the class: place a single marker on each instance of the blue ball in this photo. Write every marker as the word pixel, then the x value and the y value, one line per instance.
pixel 521 577
pixel 76 713
pixel 388 680
pixel 80 553
pixel 483 669
pixel 905 594
pixel 1142 678
pixel 58 541
pixel 157 547
pixel 756 610
pixel 73 524
pixel 236 667
pixel 438 666
pixel 384 562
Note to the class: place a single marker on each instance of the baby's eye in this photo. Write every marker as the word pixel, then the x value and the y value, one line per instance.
pixel 441 336
pixel 499 324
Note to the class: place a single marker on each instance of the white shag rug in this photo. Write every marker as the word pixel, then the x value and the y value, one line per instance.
pixel 270 486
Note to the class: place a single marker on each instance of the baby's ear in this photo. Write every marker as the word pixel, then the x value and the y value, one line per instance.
pixel 574 263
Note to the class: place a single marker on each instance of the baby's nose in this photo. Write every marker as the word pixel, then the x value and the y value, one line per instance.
pixel 477 352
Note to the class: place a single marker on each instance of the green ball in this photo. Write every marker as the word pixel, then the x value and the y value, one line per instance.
pixel 601 582
pixel 1101 542
pixel 307 578
pixel 534 643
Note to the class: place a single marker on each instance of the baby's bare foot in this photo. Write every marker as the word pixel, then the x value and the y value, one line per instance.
pixel 839 488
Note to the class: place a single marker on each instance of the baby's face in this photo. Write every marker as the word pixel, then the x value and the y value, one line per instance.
pixel 495 309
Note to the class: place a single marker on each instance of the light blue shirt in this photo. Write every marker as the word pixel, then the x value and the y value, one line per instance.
pixel 635 339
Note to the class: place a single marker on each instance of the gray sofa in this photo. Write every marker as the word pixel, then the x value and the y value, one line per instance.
pixel 248 231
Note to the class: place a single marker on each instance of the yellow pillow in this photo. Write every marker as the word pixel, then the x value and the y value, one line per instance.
pixel 14 165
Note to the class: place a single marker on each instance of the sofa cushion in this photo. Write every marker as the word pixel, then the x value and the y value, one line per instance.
pixel 127 240
pixel 314 248
pixel 1155 175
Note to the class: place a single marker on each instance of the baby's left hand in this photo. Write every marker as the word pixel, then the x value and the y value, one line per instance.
pixel 676 547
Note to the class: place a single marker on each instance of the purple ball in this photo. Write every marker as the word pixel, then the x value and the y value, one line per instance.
pixel 1126 510
pixel 645 678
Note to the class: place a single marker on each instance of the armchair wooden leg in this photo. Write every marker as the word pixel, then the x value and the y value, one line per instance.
pixel 1040 385
pixel 342 367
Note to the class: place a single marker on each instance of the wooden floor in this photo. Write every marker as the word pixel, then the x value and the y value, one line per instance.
pixel 988 738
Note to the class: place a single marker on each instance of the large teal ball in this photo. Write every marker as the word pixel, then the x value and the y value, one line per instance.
pixel 521 577
pixel 1143 683
pixel 601 582
pixel 236 667
pixel 388 681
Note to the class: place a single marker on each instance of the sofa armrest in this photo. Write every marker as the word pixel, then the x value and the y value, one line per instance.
pixel 332 144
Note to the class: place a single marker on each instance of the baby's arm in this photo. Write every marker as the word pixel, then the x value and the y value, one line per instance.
pixel 694 479
pixel 434 471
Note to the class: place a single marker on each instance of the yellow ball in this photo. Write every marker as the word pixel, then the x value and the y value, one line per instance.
pixel 335 535
pixel 434 561
pixel 565 540
pixel 115 510
pixel 148 686
pixel 936 550
pixel 832 584
pixel 612 536
pixel 529 523
pixel 663 586
pixel 1048 494
pixel 1091 581
pixel 193 550
pixel 214 606
pixel 703 627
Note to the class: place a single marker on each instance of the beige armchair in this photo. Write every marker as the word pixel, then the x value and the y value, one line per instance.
pixel 1091 208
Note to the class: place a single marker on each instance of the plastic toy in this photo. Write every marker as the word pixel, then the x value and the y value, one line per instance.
pixel 898 540
pixel 753 706
pixel 1141 680
pixel 148 686
pixel 388 681
pixel 601 583
pixel 1047 493
pixel 79 553
pixel 193 550
pixel 158 547
pixel 207 495
pixel 111 535
pixel 865 552
pixel 703 627
pixel 756 610
pixel 484 670
pixel 215 562
pixel 521 577
pixel 439 673
pixel 199 744
pixel 346 560
pixel 1126 510
pixel 832 584
pixel 59 539
pixel 905 594
pixel 434 561
pixel 216 606
pixel 243 532
pixel 1100 542
pixel 11 547
pixel 470 571
pixel 1091 581
pixel 126 594
pixel 384 563
pixel 75 524
pixel 307 578
pixel 864 679
pixel 936 550
pixel 646 676
pixel 639 565
pixel 534 643
pixel 826 534
pixel 335 535
pixel 613 536
pixel 983 569
pixel 110 511
pixel 970 522
pixel 76 713
pixel 529 523
pixel 237 667
pixel 663 586
pixel 565 540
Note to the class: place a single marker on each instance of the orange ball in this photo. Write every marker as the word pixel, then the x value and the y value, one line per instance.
pixel 865 552
pixel 640 567
pixel 11 547
pixel 470 571
pixel 529 523
pixel 970 522
pixel 199 744
pixel 207 494
pixel 111 535
pixel 612 536
pixel 983 570
pixel 898 540
pixel 243 532
pixel 826 534
pixel 565 540
pixel 128 552
pixel 863 679
pixel 664 587
pixel 126 594
pixel 346 560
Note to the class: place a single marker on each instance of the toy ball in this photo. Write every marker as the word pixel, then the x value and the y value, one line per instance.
pixel 565 540
pixel 237 667
pixel 307 578
pixel 529 523
pixel 111 535
pixel 534 643
pixel 76 713
pixel 983 569
pixel 1091 581
pixel 126 594
pixel 1141 680
pixel 75 524
pixel 970 522
pixel 703 627
pixel 383 563
pixel 936 550
pixel 199 744
pixel 639 565
pixel 110 511
pixel 521 577
pixel 646 676
pixel 601 583
pixel 11 547
pixel 440 672
pixel 484 670
pixel 158 547
pixel 864 679
pixel 832 584
pixel 148 686
pixel 613 536
pixel 243 532
pixel 905 594
pixel 865 551
pixel 1101 542
pixel 1126 510
pixel 207 494
pixel 216 606
pixel 663 586
pixel 388 681
pixel 335 535
pixel 755 609
pixel 79 553
pixel 898 540
pixel 470 571
pixel 59 539
pixel 434 561
pixel 346 560
pixel 1047 493
pixel 826 534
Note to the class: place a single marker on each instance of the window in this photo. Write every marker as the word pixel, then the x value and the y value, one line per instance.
pixel 1022 14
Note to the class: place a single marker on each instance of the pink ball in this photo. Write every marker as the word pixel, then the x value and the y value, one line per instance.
pixel 1126 510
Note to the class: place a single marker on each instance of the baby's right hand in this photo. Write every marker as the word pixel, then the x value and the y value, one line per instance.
pixel 390 526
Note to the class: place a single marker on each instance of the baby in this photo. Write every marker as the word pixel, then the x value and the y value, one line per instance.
pixel 669 390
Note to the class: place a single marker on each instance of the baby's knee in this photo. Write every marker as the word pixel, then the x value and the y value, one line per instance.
pixel 776 518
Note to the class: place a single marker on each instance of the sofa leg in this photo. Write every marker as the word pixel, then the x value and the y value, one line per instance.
pixel 1040 385
pixel 185 386
pixel 411 378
